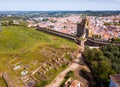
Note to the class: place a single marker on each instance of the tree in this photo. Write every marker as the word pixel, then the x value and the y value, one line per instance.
pixel 10 23
pixel 4 23
pixel 95 65
pixel 117 53
pixel 98 54
pixel 117 40
pixel 109 48
pixel 109 55
pixel 104 70
pixel 89 55
pixel 23 23
pixel 104 61
pixel 96 36
pixel 41 84
pixel 112 48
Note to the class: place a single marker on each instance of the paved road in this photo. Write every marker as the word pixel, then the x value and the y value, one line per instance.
pixel 60 77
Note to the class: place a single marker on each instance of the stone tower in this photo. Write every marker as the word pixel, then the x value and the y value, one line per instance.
pixel 81 28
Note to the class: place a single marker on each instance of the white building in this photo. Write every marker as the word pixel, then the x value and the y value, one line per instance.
pixel 114 80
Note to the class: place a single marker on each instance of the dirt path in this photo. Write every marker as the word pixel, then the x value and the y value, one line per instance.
pixel 60 77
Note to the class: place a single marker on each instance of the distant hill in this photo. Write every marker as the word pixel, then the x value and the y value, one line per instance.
pixel 58 13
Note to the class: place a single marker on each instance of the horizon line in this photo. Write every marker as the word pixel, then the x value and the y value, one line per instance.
pixel 59 10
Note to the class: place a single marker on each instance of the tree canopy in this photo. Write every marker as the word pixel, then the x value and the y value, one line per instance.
pixel 104 61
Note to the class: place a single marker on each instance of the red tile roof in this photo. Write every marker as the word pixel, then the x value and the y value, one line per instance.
pixel 75 83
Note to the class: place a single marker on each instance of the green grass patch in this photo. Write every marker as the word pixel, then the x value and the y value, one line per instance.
pixel 2 82
pixel 70 74
pixel 21 46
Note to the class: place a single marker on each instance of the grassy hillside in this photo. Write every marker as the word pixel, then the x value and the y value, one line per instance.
pixel 23 46
pixel 16 38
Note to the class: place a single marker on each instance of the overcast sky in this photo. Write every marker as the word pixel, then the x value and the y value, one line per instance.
pixel 48 5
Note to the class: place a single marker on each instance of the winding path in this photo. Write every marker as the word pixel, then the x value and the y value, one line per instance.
pixel 60 77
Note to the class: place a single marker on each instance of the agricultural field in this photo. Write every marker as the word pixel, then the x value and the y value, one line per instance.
pixel 31 57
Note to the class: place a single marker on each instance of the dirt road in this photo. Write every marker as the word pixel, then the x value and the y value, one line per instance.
pixel 60 77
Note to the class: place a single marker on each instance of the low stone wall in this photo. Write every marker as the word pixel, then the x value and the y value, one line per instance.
pixel 67 36
pixel 91 42
pixel 8 80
